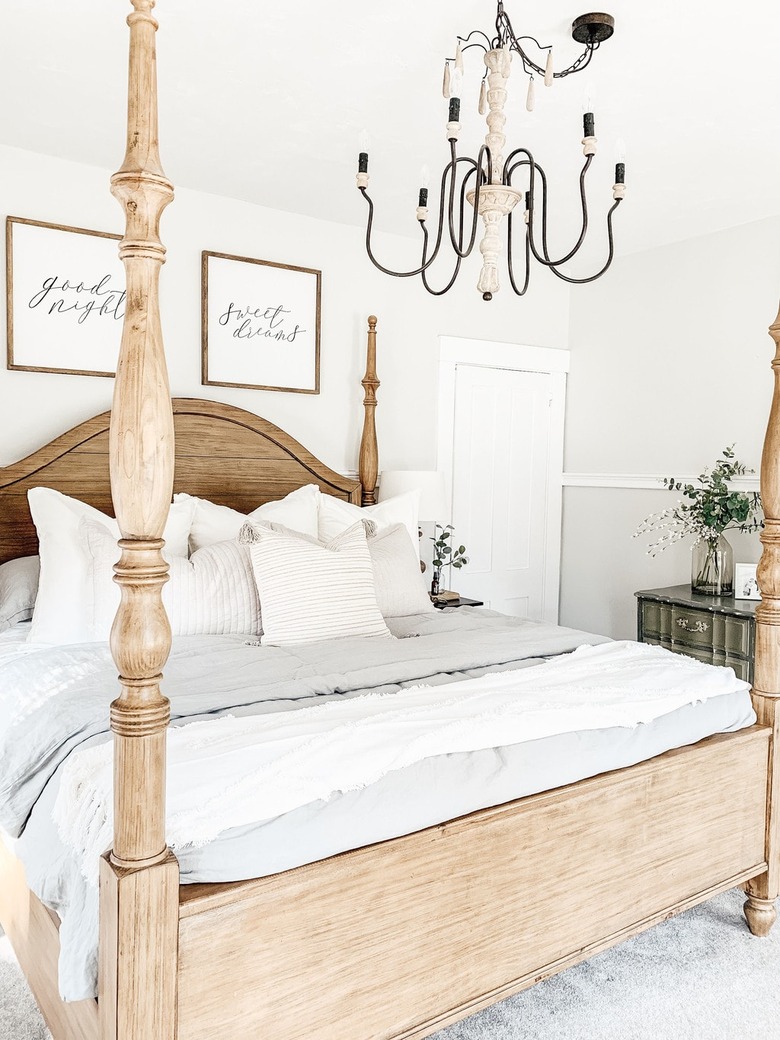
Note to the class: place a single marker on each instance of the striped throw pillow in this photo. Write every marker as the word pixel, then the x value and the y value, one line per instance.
pixel 310 591
pixel 212 593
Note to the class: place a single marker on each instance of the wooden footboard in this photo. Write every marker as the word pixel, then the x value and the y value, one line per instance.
pixel 34 934
pixel 399 939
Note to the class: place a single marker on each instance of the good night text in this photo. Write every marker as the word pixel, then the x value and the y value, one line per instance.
pixel 82 300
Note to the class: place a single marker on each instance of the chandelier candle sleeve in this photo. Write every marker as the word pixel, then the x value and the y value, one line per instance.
pixel 363 145
pixel 496 177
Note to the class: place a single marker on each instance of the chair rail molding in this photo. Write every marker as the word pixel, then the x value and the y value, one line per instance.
pixel 644 481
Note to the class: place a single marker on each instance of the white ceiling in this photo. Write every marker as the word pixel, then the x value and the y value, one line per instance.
pixel 264 102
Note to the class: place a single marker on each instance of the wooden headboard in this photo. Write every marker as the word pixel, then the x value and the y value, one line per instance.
pixel 223 453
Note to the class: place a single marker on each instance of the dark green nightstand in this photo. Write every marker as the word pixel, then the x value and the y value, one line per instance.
pixel 714 629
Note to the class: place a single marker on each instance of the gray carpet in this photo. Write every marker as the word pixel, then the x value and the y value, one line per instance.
pixel 700 976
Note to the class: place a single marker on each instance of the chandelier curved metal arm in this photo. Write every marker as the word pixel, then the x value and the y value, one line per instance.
pixel 460 252
pixel 530 197
pixel 483 179
pixel 448 187
pixel 510 264
pixel 610 254
pixel 493 195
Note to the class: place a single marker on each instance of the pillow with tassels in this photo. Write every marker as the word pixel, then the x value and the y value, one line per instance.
pixel 310 591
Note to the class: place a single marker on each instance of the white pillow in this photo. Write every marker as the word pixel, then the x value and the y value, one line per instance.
pixel 399 584
pixel 311 592
pixel 18 589
pixel 212 593
pixel 212 523
pixel 336 516
pixel 64 593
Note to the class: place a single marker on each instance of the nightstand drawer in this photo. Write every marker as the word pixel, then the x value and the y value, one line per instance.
pixel 694 628
pixel 720 631
pixel 699 628
pixel 738 636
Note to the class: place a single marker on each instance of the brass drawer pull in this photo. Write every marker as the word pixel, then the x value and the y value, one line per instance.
pixel 698 626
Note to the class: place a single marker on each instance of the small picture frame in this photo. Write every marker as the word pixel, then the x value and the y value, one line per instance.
pixel 260 324
pixel 65 291
pixel 745 584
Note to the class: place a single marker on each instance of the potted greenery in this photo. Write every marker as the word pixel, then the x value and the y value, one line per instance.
pixel 711 508
pixel 444 556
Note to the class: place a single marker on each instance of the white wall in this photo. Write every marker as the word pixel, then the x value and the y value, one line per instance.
pixel 670 359
pixel 670 363
pixel 35 407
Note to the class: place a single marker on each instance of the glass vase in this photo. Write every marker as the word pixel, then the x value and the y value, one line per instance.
pixel 712 567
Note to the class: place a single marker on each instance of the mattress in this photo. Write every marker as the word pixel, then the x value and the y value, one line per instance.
pixel 433 648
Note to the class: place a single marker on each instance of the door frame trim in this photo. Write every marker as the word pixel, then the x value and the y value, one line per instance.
pixel 516 357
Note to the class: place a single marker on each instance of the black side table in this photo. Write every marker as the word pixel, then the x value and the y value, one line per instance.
pixel 460 602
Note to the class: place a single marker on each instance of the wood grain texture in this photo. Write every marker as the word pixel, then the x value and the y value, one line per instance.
pixel 223 453
pixel 763 891
pixel 140 878
pixel 34 934
pixel 397 939
pixel 138 951
pixel 369 451
pixel 141 462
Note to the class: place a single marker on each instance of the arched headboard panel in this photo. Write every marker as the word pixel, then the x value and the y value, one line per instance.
pixel 223 453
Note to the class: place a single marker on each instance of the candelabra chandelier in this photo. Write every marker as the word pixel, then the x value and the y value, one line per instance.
pixel 487 181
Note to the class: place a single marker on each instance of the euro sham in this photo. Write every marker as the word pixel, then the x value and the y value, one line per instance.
pixel 63 604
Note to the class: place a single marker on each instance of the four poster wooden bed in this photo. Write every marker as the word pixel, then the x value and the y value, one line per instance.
pixel 395 939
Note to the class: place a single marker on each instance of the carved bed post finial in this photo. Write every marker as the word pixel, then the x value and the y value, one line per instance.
pixel 763 890
pixel 369 452
pixel 139 880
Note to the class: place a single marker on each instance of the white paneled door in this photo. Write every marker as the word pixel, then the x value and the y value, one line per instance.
pixel 506 462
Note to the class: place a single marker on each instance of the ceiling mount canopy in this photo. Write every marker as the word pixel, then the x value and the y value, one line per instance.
pixel 492 183
pixel 592 29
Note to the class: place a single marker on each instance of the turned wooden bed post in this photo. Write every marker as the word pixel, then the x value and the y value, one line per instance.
pixel 369 452
pixel 762 891
pixel 139 879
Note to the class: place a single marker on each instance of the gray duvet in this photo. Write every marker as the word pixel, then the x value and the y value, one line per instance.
pixel 207 677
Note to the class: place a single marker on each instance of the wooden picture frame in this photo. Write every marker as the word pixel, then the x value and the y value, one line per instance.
pixel 248 303
pixel 65 294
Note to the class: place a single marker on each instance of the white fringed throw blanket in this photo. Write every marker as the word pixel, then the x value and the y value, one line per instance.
pixel 231 772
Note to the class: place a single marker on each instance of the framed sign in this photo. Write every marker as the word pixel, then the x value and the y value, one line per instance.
pixel 260 324
pixel 66 298
pixel 745 583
